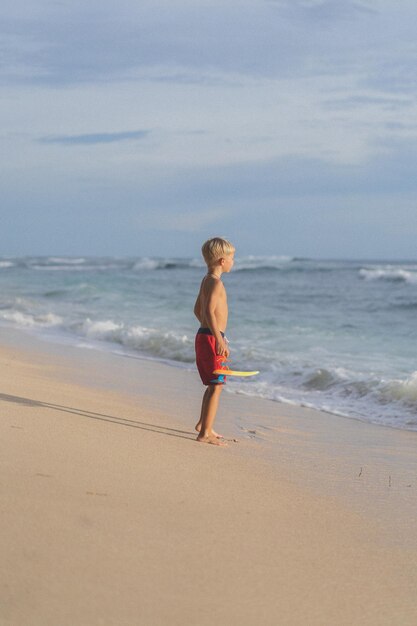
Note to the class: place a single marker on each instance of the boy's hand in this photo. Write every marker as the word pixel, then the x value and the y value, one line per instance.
pixel 222 348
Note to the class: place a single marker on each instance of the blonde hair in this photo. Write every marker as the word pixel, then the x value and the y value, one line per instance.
pixel 215 249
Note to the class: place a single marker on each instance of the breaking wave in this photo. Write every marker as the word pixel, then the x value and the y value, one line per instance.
pixel 390 273
pixel 26 320
pixel 147 264
pixel 391 402
pixel 155 342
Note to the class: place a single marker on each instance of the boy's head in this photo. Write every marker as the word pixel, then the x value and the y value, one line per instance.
pixel 216 249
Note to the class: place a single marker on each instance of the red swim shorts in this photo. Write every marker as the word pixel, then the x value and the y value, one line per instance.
pixel 206 358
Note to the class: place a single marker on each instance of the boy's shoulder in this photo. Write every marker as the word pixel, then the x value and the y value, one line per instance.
pixel 211 283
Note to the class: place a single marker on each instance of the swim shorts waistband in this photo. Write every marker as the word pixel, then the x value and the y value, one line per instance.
pixel 207 331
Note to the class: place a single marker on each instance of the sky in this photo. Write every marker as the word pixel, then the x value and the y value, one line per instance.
pixel 145 127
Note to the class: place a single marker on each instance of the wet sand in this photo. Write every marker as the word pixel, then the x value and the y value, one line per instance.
pixel 112 514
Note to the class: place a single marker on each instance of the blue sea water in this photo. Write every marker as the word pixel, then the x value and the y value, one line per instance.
pixel 339 336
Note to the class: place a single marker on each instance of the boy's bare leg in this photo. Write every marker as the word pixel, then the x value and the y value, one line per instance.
pixel 203 412
pixel 209 410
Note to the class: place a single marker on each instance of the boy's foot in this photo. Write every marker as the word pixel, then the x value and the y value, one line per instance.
pixel 215 441
pixel 198 428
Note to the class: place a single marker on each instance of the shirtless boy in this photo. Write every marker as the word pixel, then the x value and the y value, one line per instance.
pixel 210 343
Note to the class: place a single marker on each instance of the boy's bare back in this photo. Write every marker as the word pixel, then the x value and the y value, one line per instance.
pixel 212 298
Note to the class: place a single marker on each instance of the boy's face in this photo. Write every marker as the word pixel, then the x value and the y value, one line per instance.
pixel 228 262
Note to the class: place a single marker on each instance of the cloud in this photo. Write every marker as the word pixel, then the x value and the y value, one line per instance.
pixel 182 221
pixel 184 42
pixel 207 42
pixel 243 105
pixel 390 172
pixel 95 138
pixel 326 10
pixel 358 101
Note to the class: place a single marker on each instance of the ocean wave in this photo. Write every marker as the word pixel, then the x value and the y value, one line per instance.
pixel 25 320
pixel 405 306
pixel 6 264
pixel 288 264
pixel 55 293
pixel 241 264
pixel 149 263
pixel 390 273
pixel 159 264
pixel 71 264
pixel 345 383
pixel 320 379
pixel 74 268
pixel 404 390
pixel 66 260
pixel 366 396
pixel 197 263
pixel 155 342
pixel 80 292
pixel 81 264
pixel 146 264
pixel 250 263
pixel 281 263
pixel 158 343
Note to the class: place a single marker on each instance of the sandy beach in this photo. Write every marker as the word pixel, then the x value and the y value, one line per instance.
pixel 112 514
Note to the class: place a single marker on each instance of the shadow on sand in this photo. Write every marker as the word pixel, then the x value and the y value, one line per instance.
pixel 121 421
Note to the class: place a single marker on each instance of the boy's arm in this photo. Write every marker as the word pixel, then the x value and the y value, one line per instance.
pixel 211 304
pixel 197 308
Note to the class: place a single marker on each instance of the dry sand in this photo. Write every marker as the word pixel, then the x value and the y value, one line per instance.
pixel 112 514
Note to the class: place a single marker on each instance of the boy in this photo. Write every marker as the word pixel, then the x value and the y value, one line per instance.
pixel 210 343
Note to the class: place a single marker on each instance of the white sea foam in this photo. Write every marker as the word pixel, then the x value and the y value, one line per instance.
pixel 146 264
pixel 404 390
pixel 105 329
pixel 364 396
pixel 155 342
pixel 165 344
pixel 26 320
pixel 18 318
pixel 389 273
pixel 261 262
pixel 74 268
pixel 66 260
pixel 6 264
pixel 197 263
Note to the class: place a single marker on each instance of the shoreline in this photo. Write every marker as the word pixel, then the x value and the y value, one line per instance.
pixel 64 341
pixel 309 519
pixel 340 362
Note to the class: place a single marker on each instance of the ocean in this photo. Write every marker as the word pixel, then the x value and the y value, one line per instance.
pixel 339 336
